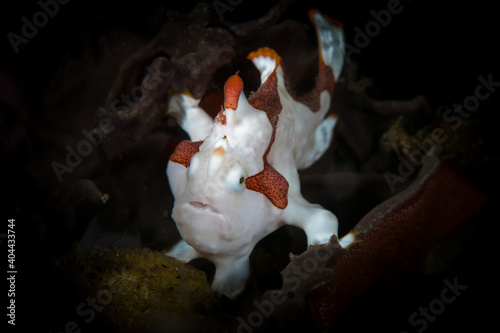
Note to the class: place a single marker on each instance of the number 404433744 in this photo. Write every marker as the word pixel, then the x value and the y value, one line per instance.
pixel 11 244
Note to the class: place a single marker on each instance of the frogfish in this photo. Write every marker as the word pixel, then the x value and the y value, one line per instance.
pixel 236 180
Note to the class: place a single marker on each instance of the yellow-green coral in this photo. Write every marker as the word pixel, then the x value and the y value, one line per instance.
pixel 142 289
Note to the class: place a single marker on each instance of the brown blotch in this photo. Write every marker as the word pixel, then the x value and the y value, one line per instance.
pixel 185 151
pixel 324 81
pixel 270 183
pixel 267 99
pixel 221 117
pixel 219 151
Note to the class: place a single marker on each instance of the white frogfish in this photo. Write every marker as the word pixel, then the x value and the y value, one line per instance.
pixel 236 181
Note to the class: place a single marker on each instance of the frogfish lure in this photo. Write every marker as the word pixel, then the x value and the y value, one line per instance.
pixel 236 181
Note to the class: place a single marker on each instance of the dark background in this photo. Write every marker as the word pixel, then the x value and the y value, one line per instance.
pixel 433 49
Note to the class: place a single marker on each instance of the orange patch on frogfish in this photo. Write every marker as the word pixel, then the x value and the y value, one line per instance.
pixel 232 90
pixel 219 151
pixel 270 183
pixel 185 151
pixel 265 52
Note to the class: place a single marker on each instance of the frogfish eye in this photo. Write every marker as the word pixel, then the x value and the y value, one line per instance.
pixel 235 177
